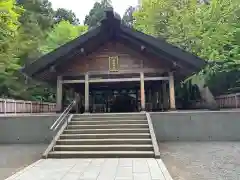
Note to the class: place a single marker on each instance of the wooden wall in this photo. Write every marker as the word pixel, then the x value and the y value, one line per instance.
pixel 99 60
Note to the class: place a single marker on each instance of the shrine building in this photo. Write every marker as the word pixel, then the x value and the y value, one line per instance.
pixel 115 68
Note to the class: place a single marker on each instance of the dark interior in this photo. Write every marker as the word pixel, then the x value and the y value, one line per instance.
pixel 114 97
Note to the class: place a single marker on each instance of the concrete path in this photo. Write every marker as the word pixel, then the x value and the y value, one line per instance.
pixel 94 169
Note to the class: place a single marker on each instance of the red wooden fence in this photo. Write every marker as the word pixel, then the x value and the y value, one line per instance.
pixel 229 101
pixel 223 101
pixel 19 106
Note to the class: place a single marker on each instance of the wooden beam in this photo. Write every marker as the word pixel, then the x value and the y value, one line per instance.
pixel 136 71
pixel 115 80
pixel 73 81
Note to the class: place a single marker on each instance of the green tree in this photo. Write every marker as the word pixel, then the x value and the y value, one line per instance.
pixel 128 18
pixel 37 11
pixel 8 31
pixel 67 15
pixel 36 21
pixel 61 34
pixel 208 30
pixel 97 13
pixel 25 28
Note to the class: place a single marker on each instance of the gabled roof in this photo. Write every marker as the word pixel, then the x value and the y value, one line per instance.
pixel 112 29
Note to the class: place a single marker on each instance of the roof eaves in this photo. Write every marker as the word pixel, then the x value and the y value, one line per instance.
pixel 165 46
pixel 51 57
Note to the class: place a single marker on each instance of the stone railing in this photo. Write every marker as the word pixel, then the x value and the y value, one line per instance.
pixel 8 106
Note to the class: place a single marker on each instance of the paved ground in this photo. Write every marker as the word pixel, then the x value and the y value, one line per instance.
pixel 94 169
pixel 202 160
pixel 184 160
pixel 15 157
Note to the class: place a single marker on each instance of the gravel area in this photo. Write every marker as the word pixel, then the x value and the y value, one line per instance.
pixel 202 160
pixel 15 157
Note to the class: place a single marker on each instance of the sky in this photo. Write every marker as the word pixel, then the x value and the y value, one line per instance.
pixel 82 7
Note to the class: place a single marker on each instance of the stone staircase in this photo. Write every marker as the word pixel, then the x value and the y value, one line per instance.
pixel 104 136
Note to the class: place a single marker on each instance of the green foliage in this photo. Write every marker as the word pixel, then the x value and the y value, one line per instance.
pixel 128 18
pixel 208 30
pixel 61 34
pixel 186 94
pixel 37 11
pixel 97 13
pixel 8 27
pixel 66 15
pixel 24 27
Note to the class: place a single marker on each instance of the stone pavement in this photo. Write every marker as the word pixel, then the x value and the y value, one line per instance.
pixel 94 169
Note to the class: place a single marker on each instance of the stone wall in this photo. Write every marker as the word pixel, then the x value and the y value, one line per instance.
pixel 197 126
pixel 168 126
pixel 26 129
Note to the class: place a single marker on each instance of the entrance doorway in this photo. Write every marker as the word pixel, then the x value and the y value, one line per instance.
pixel 114 101
pixel 126 94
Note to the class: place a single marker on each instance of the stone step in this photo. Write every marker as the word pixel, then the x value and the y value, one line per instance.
pixel 105 131
pixel 106 136
pixel 117 147
pixel 137 114
pixel 80 122
pixel 102 141
pixel 107 126
pixel 99 118
pixel 101 154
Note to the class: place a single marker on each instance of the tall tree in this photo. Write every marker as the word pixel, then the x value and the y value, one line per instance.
pixel 207 30
pixel 62 33
pixel 67 15
pixel 37 11
pixel 97 13
pixel 128 18
pixel 24 24
pixel 8 60
pixel 36 21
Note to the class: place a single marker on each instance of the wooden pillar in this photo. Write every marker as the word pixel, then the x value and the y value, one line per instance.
pixel 86 93
pixel 59 95
pixel 172 91
pixel 165 96
pixel 142 89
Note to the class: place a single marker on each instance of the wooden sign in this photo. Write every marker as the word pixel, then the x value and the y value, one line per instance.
pixel 113 64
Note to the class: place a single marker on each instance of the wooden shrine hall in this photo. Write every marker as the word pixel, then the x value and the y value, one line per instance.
pixel 114 68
